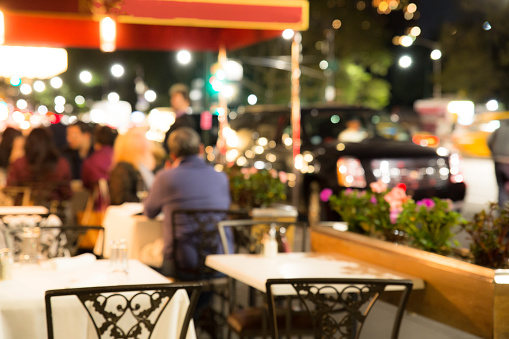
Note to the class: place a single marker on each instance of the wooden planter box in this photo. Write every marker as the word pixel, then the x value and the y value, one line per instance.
pixel 457 293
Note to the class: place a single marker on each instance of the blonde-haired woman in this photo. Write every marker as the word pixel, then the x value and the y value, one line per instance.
pixel 133 164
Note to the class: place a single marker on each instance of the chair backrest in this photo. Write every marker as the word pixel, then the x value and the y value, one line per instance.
pixel 248 234
pixel 114 309
pixel 335 308
pixel 16 196
pixel 195 235
pixel 54 241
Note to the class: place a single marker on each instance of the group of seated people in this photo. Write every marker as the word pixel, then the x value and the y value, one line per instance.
pixel 127 161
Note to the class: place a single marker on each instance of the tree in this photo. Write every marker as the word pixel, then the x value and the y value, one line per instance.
pixel 356 48
pixel 476 52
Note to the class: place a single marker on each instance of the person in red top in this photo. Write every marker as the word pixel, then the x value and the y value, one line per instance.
pixel 43 170
pixel 98 165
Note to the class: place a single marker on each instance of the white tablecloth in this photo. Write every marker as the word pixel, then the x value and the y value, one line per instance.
pixel 22 308
pixel 254 269
pixel 144 236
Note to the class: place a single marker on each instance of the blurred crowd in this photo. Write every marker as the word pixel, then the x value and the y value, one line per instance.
pixel 53 163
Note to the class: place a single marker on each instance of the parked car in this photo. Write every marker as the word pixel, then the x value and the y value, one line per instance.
pixel 341 147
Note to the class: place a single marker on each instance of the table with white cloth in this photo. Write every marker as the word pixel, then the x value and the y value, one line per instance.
pixel 254 269
pixel 144 236
pixel 22 307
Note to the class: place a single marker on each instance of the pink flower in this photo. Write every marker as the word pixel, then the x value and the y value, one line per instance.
pixel 253 170
pixel 378 187
pixel 349 191
pixel 273 173
pixel 244 170
pixel 325 194
pixel 283 177
pixel 373 199
pixel 428 203
pixel 396 197
pixel 394 216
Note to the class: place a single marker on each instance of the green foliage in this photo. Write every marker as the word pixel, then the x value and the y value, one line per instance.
pixel 488 230
pixel 369 211
pixel 393 215
pixel 352 206
pixel 250 187
pixel 476 61
pixel 429 224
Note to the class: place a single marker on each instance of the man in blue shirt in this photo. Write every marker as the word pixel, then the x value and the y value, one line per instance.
pixel 189 184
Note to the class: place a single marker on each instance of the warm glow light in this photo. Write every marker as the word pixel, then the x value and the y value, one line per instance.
pixel 39 86
pixel 117 70
pixel 2 28
pixel 183 57
pixel 59 100
pixel 113 97
pixel 4 111
pixel 492 105
pixel 32 62
pixel 25 89
pixel 108 29
pixel 79 100
pixel 252 99
pixel 411 8
pixel 415 31
pixel 288 34
pixel 406 41
pixel 85 77
pixel 56 82
pixel 405 61
pixel 436 54
pixel 150 95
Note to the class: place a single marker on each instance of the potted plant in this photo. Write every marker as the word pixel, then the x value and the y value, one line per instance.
pixel 429 224
pixel 250 187
pixel 374 211
pixel 489 230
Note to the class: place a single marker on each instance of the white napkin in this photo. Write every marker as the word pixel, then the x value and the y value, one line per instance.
pixel 132 208
pixel 152 253
pixel 82 260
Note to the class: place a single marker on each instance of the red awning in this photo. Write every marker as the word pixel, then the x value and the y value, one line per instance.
pixel 152 24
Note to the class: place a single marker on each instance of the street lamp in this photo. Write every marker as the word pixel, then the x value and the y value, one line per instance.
pixel 405 61
pixel 435 55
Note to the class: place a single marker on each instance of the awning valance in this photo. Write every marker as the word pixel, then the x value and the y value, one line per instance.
pixel 152 24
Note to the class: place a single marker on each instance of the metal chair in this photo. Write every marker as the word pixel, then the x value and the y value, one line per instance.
pixel 329 308
pixel 114 309
pixel 248 234
pixel 196 235
pixel 55 241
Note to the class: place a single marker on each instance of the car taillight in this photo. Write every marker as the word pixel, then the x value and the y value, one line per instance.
pixel 350 172
pixel 454 168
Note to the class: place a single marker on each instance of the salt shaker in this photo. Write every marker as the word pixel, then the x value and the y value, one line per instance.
pixel 270 243
pixel 6 263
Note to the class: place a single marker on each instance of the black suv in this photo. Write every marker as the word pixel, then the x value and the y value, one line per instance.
pixel 342 147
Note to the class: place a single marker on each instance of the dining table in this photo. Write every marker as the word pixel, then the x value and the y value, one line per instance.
pixel 22 305
pixel 254 269
pixel 142 235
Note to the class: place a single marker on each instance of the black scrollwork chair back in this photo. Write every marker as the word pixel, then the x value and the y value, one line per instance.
pixel 248 234
pixel 54 241
pixel 334 308
pixel 196 235
pixel 129 311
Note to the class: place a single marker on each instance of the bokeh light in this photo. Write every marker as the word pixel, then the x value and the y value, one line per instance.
pixel 117 70
pixel 183 57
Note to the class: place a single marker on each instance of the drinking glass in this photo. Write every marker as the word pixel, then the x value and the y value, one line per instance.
pixel 30 245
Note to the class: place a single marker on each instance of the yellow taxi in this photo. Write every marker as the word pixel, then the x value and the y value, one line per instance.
pixel 471 140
